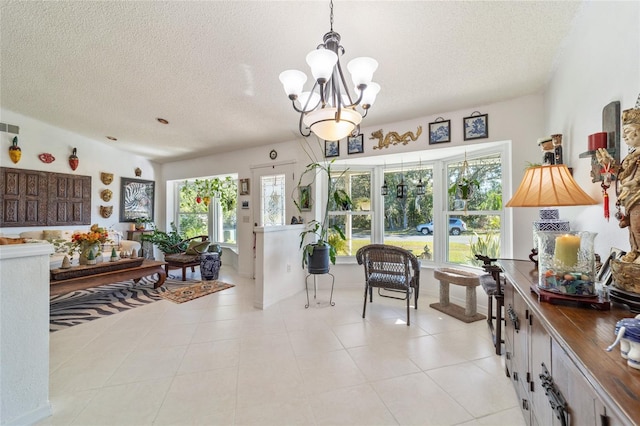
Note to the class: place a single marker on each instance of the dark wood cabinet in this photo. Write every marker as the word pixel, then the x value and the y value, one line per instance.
pixel 558 351
pixel 36 198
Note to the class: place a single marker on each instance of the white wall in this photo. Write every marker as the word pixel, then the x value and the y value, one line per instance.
pixel 519 120
pixel 95 157
pixel 599 63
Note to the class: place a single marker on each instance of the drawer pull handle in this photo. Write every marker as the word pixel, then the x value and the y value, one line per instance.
pixel 514 318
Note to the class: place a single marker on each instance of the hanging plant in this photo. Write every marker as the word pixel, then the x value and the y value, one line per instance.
pixel 463 189
pixel 207 189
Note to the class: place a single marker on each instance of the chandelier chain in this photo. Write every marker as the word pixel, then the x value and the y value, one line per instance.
pixel 331 15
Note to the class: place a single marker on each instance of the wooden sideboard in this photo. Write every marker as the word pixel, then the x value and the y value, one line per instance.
pixel 556 353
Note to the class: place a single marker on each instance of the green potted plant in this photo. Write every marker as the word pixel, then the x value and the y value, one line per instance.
pixel 316 254
pixel 141 223
pixel 464 188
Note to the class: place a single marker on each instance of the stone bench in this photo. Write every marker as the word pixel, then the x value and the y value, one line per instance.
pixel 448 276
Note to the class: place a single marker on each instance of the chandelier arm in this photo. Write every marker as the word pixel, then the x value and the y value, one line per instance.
pixel 306 105
pixel 344 84
pixel 300 123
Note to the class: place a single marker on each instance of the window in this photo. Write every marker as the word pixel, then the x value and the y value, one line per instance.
pixel 480 209
pixel 407 218
pixel 354 221
pixel 272 190
pixel 201 214
pixel 433 223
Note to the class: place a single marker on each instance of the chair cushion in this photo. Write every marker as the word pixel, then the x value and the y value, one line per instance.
pixel 378 279
pixel 489 284
pixel 197 247
pixel 182 258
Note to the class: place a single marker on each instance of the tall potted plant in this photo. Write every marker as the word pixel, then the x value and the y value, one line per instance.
pixel 315 239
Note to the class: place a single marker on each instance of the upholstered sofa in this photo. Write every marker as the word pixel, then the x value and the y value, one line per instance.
pixel 58 238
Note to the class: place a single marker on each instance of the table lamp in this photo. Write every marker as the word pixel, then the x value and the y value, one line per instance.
pixel 566 259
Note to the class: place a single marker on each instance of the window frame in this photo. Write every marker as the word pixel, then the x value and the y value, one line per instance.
pixel 441 213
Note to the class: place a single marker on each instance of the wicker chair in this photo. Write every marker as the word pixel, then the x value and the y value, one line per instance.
pixel 389 268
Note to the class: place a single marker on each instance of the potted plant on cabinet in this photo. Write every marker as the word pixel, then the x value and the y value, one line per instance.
pixel 317 254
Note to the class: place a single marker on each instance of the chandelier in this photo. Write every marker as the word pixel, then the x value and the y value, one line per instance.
pixel 328 110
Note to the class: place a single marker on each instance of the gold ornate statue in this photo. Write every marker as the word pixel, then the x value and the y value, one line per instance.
pixel 393 138
pixel 629 181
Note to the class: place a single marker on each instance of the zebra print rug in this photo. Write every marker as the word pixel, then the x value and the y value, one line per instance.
pixel 78 307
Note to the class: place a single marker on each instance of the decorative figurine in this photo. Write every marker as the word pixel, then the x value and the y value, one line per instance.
pixel 114 255
pixel 138 171
pixel 91 258
pixel 66 263
pixel 548 155
pixel 557 148
pixel 106 178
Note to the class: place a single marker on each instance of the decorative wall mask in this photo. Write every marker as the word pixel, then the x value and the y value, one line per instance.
pixel 74 160
pixel 15 153
pixel 47 158
pixel 138 171
pixel 106 178
pixel 106 195
pixel 393 138
pixel 105 211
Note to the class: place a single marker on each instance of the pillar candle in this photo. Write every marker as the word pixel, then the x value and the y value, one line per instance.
pixel 567 247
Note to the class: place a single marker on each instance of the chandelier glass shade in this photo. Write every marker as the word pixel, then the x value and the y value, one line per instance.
pixel 329 110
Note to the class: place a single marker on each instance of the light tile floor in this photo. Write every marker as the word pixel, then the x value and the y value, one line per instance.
pixel 218 360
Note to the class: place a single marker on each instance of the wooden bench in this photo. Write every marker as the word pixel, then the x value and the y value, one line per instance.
pixel 100 277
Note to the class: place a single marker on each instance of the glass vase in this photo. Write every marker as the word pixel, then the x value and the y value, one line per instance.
pixel 566 262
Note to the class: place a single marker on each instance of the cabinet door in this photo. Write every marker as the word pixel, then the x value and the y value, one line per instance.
pixel 539 355
pixel 580 396
pixel 508 331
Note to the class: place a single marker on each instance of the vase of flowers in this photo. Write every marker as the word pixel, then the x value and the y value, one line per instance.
pixel 89 242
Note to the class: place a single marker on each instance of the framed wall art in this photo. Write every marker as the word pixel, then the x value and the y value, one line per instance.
pixel 305 197
pixel 355 144
pixel 331 148
pixel 439 131
pixel 137 197
pixel 476 126
pixel 244 186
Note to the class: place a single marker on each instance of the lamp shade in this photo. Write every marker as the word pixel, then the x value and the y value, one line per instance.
pixel 323 123
pixel 369 96
pixel 321 62
pixel 293 80
pixel 362 70
pixel 548 186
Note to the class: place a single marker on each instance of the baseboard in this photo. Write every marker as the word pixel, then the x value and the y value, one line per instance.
pixel 32 417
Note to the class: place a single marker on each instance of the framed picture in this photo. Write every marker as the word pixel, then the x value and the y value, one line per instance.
pixel 244 186
pixel 331 148
pixel 245 204
pixel 305 197
pixel 439 131
pixel 604 274
pixel 355 144
pixel 476 126
pixel 136 199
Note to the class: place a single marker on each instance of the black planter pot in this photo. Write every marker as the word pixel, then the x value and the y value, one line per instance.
pixel 318 261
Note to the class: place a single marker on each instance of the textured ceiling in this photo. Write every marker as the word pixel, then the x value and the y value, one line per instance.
pixel 211 68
